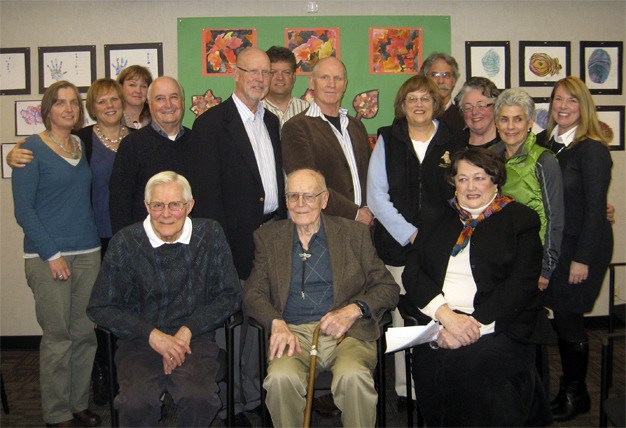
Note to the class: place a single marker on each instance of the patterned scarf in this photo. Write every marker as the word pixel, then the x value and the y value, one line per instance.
pixel 499 202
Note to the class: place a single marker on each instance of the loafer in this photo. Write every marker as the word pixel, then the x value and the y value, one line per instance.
pixel 87 418
pixel 69 423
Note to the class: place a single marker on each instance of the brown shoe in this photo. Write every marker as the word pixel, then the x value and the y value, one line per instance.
pixel 87 418
pixel 325 406
pixel 69 423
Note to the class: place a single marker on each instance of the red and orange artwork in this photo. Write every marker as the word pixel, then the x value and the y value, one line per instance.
pixel 395 50
pixel 309 45
pixel 366 104
pixel 221 46
pixel 201 103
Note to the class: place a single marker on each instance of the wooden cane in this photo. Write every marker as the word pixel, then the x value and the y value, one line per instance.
pixel 312 366
pixel 309 390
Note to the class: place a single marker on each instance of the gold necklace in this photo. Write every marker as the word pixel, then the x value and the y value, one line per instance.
pixel 75 147
pixel 113 144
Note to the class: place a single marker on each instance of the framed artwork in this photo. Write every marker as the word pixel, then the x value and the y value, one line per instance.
pixel 118 57
pixel 76 64
pixel 395 50
pixel 6 169
pixel 491 60
pixel 220 47
pixel 542 109
pixel 601 66
pixel 543 63
pixel 14 71
pixel 309 45
pixel 28 119
pixel 612 123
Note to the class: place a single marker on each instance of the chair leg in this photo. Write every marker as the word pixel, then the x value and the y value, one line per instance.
pixel 381 414
pixel 263 375
pixel 111 364
pixel 3 395
pixel 409 388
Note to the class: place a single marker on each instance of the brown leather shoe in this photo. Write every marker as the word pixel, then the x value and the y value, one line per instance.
pixel 87 418
pixel 69 423
pixel 325 406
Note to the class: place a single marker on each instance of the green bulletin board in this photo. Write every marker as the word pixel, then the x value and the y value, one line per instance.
pixel 353 51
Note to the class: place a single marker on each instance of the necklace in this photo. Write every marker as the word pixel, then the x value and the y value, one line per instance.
pixel 75 147
pixel 113 144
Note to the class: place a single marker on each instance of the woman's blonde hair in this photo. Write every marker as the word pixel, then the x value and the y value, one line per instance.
pixel 588 125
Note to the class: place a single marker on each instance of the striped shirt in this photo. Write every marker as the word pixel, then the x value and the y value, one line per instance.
pixel 346 145
pixel 295 106
pixel 263 151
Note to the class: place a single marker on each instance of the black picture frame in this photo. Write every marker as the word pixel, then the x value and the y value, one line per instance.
pixel 137 57
pixel 81 66
pixel 593 66
pixel 17 60
pixel 545 58
pixel 542 110
pixel 614 117
pixel 480 58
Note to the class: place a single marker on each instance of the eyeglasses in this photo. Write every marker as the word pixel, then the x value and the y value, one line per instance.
pixel 468 108
pixel 309 198
pixel 262 73
pixel 437 74
pixel 173 206
pixel 415 100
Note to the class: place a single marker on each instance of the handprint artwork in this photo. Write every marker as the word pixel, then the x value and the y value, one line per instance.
pixel 56 69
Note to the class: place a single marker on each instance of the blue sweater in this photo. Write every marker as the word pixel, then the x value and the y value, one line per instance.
pixel 52 202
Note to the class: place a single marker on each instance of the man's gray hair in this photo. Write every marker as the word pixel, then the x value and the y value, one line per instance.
pixel 167 177
pixel 449 59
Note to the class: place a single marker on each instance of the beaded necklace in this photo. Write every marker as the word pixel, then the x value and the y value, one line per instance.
pixel 113 144
pixel 75 146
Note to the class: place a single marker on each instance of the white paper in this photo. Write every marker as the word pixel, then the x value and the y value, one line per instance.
pixel 399 338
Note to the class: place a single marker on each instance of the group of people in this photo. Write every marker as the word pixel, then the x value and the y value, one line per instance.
pixel 477 220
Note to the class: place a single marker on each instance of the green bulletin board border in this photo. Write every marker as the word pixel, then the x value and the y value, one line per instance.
pixel 353 33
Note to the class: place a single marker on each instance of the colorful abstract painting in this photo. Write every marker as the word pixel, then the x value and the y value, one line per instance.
pixel 395 50
pixel 201 103
pixel 309 45
pixel 366 104
pixel 221 46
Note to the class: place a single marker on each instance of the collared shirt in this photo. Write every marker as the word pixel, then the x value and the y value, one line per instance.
pixel 566 138
pixel 161 132
pixel 309 298
pixel 263 151
pixel 156 242
pixel 295 106
pixel 345 142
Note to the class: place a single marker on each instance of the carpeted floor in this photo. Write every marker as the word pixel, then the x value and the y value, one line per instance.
pixel 20 372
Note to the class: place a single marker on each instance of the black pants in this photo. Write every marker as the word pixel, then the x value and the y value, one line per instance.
pixel 142 381
pixel 493 382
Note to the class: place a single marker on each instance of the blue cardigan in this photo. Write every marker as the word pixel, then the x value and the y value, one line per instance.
pixel 52 202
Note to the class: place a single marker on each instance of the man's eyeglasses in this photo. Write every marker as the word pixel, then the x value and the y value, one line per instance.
pixel 437 74
pixel 480 106
pixel 263 73
pixel 309 198
pixel 173 206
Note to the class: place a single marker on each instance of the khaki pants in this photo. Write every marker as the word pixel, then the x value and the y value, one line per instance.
pixel 398 357
pixel 352 363
pixel 68 343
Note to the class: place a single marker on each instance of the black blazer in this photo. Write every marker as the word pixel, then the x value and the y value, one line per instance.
pixel 225 177
pixel 505 257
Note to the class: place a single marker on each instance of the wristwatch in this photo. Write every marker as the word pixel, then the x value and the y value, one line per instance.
pixel 364 308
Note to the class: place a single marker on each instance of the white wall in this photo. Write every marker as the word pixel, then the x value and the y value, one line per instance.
pixel 59 23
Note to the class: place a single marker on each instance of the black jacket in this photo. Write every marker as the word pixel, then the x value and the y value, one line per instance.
pixel 505 257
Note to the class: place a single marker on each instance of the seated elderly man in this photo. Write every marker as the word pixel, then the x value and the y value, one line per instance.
pixel 165 285
pixel 315 269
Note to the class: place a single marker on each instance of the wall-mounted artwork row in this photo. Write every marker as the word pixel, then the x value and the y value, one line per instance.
pixel 380 53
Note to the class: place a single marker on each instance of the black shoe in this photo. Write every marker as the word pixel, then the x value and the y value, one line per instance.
pixel 241 420
pixel 571 400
